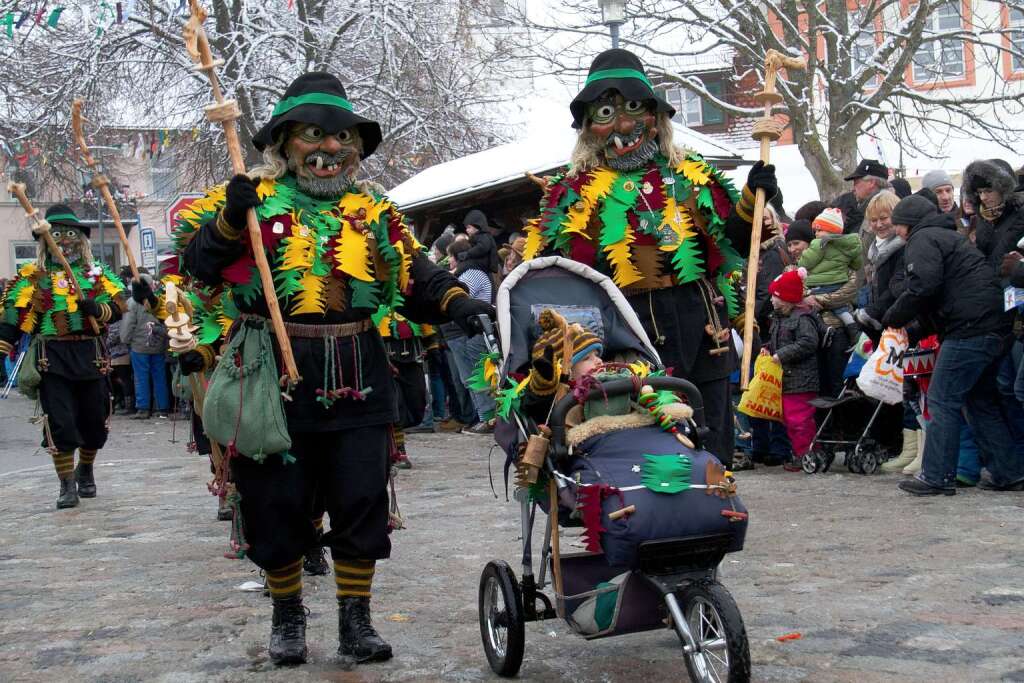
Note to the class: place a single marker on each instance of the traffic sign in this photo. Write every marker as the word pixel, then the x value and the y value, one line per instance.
pixel 177 206
pixel 147 242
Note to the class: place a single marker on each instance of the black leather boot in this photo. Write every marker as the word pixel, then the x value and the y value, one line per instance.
pixel 84 479
pixel 68 497
pixel 314 563
pixel 358 638
pixel 288 632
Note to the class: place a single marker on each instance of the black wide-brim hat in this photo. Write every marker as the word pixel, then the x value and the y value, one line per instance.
pixel 61 214
pixel 620 70
pixel 318 98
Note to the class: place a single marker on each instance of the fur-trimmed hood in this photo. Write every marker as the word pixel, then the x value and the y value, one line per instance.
pixel 994 173
pixel 581 430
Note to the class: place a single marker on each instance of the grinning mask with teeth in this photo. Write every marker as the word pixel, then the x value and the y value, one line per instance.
pixel 324 165
pixel 625 128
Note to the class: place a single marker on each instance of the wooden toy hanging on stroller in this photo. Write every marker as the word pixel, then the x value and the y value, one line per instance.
pixel 658 522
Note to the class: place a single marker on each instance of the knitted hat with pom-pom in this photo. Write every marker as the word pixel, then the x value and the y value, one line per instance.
pixel 554 331
pixel 829 220
pixel 789 286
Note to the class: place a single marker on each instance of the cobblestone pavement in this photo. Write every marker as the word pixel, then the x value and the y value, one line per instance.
pixel 132 585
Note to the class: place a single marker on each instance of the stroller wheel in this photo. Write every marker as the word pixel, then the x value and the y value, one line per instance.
pixel 854 462
pixel 723 653
pixel 502 627
pixel 828 457
pixel 869 462
pixel 810 462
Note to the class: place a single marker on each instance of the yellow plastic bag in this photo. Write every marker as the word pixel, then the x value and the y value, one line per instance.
pixel 763 397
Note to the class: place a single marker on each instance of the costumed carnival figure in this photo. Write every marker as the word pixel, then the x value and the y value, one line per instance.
pixel 67 361
pixel 667 226
pixel 337 250
pixel 195 336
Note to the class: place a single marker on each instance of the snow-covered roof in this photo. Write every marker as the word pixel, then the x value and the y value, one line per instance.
pixel 540 151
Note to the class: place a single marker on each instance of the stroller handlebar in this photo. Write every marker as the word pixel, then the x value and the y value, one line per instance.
pixel 616 388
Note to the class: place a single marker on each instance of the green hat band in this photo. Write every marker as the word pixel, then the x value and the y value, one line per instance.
pixel 63 217
pixel 312 98
pixel 618 73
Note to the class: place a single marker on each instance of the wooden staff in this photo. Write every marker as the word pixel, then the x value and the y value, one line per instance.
pixel 42 228
pixel 766 131
pixel 100 182
pixel 225 112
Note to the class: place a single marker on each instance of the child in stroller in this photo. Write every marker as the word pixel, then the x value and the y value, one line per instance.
pixel 610 447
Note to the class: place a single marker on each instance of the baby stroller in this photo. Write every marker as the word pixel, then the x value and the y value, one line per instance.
pixel 843 430
pixel 633 583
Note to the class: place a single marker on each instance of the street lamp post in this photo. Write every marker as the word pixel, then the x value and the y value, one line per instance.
pixel 613 15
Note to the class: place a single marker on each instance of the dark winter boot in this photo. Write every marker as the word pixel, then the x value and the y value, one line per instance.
pixel 84 480
pixel 68 497
pixel 358 638
pixel 314 563
pixel 288 632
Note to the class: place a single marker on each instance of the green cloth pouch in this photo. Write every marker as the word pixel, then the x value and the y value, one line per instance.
pixel 243 407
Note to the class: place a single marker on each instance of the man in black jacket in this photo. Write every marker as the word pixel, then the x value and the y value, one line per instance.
pixel 991 186
pixel 949 282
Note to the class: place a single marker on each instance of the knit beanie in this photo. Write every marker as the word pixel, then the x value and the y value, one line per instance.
pixel 799 230
pixel 554 331
pixel 933 179
pixel 829 220
pixel 901 187
pixel 912 211
pixel 789 286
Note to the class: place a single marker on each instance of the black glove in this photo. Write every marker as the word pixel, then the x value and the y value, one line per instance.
pixel 887 320
pixel 545 365
pixel 191 361
pixel 89 308
pixel 240 197
pixel 141 291
pixel 763 177
pixel 464 311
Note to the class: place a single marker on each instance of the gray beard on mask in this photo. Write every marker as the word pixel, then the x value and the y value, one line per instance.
pixel 322 188
pixel 638 158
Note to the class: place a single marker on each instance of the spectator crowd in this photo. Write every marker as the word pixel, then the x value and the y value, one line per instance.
pixel 940 264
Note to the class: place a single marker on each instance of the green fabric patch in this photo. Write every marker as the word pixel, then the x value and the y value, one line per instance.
pixel 604 610
pixel 666 473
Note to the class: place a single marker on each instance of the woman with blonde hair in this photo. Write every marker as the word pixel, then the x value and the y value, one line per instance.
pixel 886 276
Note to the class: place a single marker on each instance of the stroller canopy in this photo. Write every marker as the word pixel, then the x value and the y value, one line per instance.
pixel 577 292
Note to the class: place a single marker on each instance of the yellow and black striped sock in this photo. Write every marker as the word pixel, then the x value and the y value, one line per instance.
pixel 87 456
pixel 319 524
pixel 285 582
pixel 64 463
pixel 353 578
pixel 399 439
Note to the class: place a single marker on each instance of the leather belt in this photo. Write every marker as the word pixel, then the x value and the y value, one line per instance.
pixel 660 282
pixel 303 331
